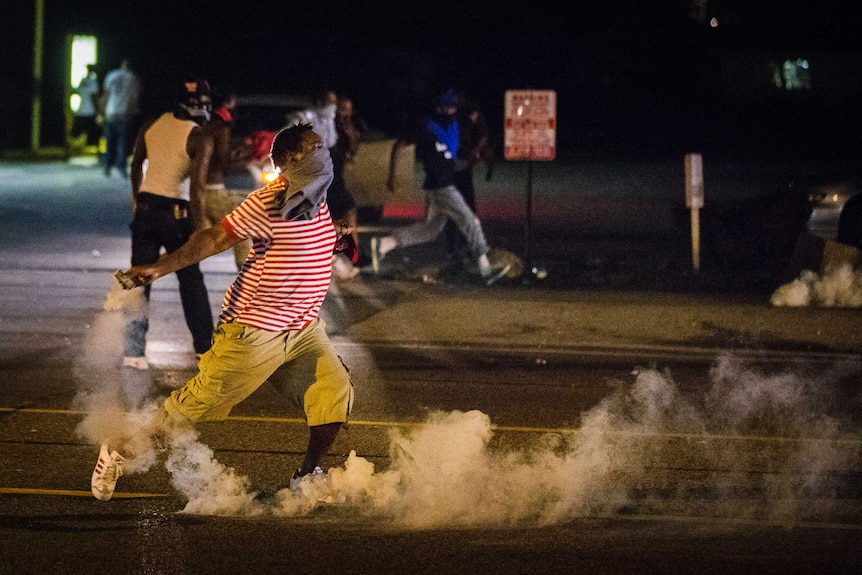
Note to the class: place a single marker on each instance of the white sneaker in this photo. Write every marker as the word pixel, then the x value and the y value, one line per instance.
pixel 376 256
pixel 297 480
pixel 342 269
pixel 108 469
pixel 496 273
pixel 136 362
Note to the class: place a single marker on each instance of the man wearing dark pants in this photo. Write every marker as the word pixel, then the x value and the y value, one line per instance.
pixel 168 205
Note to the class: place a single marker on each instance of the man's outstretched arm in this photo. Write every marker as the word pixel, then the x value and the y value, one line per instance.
pixel 201 245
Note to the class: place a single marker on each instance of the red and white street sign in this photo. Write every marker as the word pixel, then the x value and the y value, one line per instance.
pixel 530 125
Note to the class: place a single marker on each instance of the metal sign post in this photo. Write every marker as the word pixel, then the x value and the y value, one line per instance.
pixel 530 133
pixel 528 227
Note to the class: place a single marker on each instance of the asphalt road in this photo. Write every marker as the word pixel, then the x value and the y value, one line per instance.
pixel 524 439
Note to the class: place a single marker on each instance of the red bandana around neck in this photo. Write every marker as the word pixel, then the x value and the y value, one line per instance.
pixel 224 114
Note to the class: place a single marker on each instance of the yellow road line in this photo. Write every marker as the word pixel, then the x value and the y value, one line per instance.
pixel 610 517
pixel 509 428
pixel 74 493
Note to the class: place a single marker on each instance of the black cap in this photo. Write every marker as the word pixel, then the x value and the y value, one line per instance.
pixel 447 99
pixel 192 88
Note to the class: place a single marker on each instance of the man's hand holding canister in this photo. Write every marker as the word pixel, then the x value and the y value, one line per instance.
pixel 344 242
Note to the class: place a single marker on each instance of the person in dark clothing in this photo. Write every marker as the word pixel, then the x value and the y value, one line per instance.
pixel 437 141
pixel 475 147
pixel 342 204
pixel 850 222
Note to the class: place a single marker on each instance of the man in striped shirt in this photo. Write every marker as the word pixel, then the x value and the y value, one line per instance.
pixel 268 329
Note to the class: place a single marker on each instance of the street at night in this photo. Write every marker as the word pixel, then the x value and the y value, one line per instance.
pixel 537 428
pixel 652 365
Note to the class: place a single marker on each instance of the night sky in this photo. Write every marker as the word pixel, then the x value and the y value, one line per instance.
pixel 604 57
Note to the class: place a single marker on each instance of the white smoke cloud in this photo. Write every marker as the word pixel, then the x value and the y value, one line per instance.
pixel 840 286
pixel 445 472
pixel 105 389
pixel 210 487
pixel 448 471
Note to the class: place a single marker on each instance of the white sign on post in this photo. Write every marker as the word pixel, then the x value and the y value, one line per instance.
pixel 530 126
pixel 694 181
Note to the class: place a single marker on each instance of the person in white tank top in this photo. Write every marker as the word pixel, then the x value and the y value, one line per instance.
pixel 168 176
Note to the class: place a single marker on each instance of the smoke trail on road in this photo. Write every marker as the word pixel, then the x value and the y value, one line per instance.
pixel 840 286
pixel 445 473
pixel 112 395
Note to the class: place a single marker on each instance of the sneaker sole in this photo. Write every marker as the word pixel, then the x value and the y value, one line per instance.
pixel 494 277
pixel 140 363
pixel 100 495
pixel 375 255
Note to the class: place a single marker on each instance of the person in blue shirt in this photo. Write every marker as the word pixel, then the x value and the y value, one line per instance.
pixel 437 141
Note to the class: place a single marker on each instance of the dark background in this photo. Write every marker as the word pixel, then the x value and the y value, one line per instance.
pixel 638 77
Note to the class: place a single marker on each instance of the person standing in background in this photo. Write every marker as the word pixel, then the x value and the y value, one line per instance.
pixel 437 141
pixel 321 116
pixel 226 159
pixel 342 204
pixel 121 93
pixel 86 117
pixel 168 206
pixel 474 147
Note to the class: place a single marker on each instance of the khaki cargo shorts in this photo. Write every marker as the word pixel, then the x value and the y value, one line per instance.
pixel 302 365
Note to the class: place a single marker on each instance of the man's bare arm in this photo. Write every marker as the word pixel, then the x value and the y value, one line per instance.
pixel 139 154
pixel 201 245
pixel 200 149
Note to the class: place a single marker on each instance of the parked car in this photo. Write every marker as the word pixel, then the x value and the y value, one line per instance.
pixel 255 115
pixel 836 209
pixel 755 235
pixel 365 176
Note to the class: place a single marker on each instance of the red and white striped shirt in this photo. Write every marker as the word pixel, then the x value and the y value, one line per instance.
pixel 283 284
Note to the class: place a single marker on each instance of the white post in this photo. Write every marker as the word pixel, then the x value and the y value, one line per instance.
pixel 694 201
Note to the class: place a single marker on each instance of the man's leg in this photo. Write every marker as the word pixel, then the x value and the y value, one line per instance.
pixel 413 234
pixel 193 291
pixel 196 307
pixel 110 145
pixel 425 231
pixel 110 464
pixel 456 209
pixel 453 205
pixel 320 439
pixel 145 250
pixel 315 379
pixel 455 242
pixel 121 154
